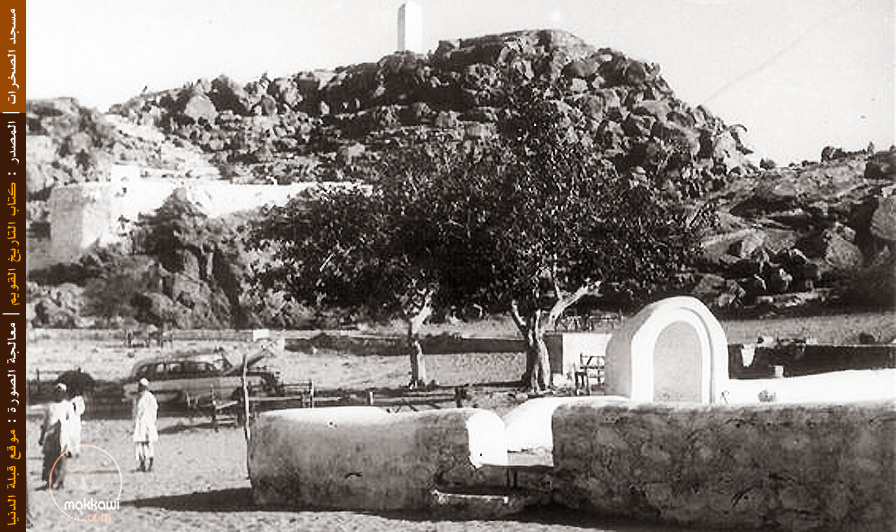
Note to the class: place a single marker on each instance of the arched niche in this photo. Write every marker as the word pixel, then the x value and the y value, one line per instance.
pixel 674 350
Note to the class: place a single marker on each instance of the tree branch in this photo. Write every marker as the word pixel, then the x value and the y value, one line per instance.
pixel 331 255
pixel 590 287
pixel 558 292
pixel 419 314
pixel 518 318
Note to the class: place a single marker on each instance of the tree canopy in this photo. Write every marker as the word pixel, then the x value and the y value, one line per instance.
pixel 563 221
pixel 386 249
pixel 528 221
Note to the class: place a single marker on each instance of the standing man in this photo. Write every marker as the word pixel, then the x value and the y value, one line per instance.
pixel 78 408
pixel 55 438
pixel 145 433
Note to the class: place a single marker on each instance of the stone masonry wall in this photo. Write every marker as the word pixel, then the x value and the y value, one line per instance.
pixel 364 458
pixel 794 467
pixel 94 214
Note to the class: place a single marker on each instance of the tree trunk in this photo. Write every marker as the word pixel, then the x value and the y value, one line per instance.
pixel 418 364
pixel 416 316
pixel 538 365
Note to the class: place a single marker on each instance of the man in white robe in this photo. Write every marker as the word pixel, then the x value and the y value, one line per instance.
pixel 145 432
pixel 55 438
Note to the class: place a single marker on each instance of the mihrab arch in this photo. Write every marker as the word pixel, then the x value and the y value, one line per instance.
pixel 673 350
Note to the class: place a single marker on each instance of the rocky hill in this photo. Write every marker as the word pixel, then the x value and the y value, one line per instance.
pixel 325 125
pixel 791 230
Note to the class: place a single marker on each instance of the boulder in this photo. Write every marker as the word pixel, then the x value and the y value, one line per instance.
pixel 791 259
pixel 778 281
pixel 637 126
pixel 881 165
pixel 227 94
pixel 754 286
pixel 268 105
pixel 832 248
pixel 708 287
pixel 745 268
pixel 199 107
pixel 745 246
pixel 446 119
pixel 883 222
pixel 285 91
pixel 583 68
pixel 414 114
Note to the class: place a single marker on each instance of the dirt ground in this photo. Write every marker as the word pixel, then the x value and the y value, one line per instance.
pixel 200 483
pixel 200 479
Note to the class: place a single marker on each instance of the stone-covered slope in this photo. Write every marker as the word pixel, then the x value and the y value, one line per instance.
pixel 326 125
pixel 816 232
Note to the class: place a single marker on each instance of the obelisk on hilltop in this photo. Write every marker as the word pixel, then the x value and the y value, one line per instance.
pixel 410 27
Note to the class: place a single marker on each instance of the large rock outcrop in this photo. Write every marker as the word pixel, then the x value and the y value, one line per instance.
pixel 295 127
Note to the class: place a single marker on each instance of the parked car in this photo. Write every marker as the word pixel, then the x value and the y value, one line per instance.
pixel 194 378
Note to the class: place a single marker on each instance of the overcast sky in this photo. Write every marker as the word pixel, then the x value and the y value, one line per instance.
pixel 799 74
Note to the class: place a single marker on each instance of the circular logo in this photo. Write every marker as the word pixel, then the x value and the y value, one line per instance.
pixel 92 484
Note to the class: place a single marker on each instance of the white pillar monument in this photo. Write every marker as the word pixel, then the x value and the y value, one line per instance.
pixel 410 27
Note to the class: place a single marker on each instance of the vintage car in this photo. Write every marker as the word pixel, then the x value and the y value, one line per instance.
pixel 197 378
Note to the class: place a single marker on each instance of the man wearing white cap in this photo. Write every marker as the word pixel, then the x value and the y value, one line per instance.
pixel 54 436
pixel 145 433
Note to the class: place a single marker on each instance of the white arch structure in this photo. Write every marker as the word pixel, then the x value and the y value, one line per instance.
pixel 674 350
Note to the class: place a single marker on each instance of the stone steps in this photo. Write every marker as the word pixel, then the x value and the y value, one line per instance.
pixel 486 504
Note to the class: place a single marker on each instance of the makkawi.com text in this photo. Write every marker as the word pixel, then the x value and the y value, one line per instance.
pixel 92 505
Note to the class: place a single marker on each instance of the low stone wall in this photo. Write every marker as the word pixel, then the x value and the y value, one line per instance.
pixel 793 467
pixel 813 359
pixel 355 343
pixel 364 458
pixel 747 361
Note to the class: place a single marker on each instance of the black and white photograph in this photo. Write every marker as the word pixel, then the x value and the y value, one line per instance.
pixel 423 265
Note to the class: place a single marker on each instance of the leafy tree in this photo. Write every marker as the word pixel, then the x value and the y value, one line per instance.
pixel 380 249
pixel 562 222
pixel 531 222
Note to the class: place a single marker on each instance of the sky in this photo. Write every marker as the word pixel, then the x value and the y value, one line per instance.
pixel 798 74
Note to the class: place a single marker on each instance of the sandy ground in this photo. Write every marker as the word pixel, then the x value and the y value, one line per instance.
pixel 200 480
pixel 200 483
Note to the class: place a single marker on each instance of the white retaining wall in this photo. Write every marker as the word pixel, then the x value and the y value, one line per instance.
pixel 364 458
pixel 96 214
pixel 528 426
